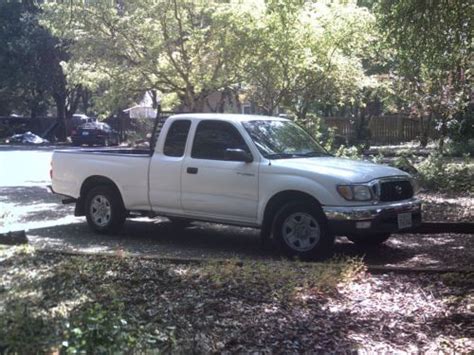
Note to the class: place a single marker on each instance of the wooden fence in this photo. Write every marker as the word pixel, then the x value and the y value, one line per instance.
pixel 390 129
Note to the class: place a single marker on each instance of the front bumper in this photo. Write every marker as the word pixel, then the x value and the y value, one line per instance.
pixel 373 219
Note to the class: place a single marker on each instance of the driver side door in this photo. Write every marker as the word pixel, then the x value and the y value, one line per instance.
pixel 213 185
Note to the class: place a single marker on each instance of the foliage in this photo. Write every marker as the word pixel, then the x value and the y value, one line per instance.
pixel 84 304
pixel 185 48
pixel 99 329
pixel 431 44
pixel 27 65
pixel 352 152
pixel 22 332
pixel 405 161
pixel 316 127
pixel 458 148
pixel 307 56
pixel 437 173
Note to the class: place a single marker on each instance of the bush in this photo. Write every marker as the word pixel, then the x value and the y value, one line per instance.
pixel 98 329
pixel 405 162
pixel 460 148
pixel 23 331
pixel 326 136
pixel 440 174
pixel 354 152
pixel 435 173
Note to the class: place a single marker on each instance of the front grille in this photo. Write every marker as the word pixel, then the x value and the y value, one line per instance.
pixel 395 190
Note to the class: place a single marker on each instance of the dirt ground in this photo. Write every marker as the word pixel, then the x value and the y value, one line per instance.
pixel 375 312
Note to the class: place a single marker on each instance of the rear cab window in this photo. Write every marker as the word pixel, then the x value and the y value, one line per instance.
pixel 176 138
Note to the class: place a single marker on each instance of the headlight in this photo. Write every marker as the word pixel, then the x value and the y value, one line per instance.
pixel 415 184
pixel 355 192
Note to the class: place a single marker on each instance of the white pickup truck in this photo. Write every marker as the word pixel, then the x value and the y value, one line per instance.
pixel 245 170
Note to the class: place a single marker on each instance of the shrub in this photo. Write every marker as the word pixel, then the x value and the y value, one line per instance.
pixel 440 174
pixel 354 152
pixel 23 332
pixel 405 162
pixel 326 136
pixel 460 148
pixel 98 329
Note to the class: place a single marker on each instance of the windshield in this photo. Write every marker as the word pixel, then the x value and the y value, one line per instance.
pixel 282 140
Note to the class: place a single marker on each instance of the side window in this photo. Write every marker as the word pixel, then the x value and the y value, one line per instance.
pixel 212 138
pixel 176 139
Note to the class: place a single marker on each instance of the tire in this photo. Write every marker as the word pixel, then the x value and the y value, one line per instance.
pixel 179 222
pixel 301 231
pixel 104 210
pixel 368 240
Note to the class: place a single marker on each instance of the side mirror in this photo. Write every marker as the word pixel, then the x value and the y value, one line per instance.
pixel 238 155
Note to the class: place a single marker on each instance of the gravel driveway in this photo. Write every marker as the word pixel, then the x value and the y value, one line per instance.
pixel 28 204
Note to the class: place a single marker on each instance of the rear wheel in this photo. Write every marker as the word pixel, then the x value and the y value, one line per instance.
pixel 301 231
pixel 104 210
pixel 368 240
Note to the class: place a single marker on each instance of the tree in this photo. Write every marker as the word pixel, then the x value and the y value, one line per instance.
pixel 31 65
pixel 25 68
pixel 432 43
pixel 306 55
pixel 182 47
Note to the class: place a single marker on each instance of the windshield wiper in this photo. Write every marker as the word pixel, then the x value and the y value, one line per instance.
pixel 297 155
pixel 280 156
pixel 313 154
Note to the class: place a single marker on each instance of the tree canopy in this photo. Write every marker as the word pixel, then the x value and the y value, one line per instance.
pixel 308 58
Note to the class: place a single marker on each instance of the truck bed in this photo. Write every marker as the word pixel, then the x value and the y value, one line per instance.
pixel 127 168
pixel 110 151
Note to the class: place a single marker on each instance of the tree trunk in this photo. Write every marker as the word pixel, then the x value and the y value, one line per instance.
pixel 61 131
pixel 86 96
pixel 443 134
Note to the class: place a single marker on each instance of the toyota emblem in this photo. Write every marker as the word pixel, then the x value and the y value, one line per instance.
pixel 399 189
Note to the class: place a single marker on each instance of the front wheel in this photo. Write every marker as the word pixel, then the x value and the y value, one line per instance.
pixel 368 240
pixel 104 210
pixel 301 231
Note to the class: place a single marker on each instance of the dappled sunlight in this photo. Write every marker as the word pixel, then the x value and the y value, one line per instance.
pixel 32 208
pixel 396 318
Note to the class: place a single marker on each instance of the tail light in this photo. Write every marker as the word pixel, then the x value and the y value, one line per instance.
pixel 51 170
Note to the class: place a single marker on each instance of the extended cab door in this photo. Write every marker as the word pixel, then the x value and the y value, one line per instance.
pixel 216 184
pixel 165 169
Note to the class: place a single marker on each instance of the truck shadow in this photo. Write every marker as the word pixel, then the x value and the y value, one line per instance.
pixel 204 240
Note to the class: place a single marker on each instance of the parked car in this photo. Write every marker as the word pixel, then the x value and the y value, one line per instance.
pixel 94 133
pixel 253 171
pixel 79 119
pixel 27 138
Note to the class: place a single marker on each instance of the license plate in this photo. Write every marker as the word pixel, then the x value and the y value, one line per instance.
pixel 85 133
pixel 404 220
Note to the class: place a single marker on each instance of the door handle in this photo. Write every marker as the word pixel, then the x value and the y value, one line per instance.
pixel 192 170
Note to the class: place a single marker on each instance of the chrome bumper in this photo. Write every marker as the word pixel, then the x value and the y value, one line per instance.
pixel 359 213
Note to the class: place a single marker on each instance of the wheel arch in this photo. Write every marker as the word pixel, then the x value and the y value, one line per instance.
pixel 278 200
pixel 87 185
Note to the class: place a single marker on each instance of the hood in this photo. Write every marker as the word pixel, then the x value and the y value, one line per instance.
pixel 346 170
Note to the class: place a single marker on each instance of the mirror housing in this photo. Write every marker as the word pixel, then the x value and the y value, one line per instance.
pixel 238 155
